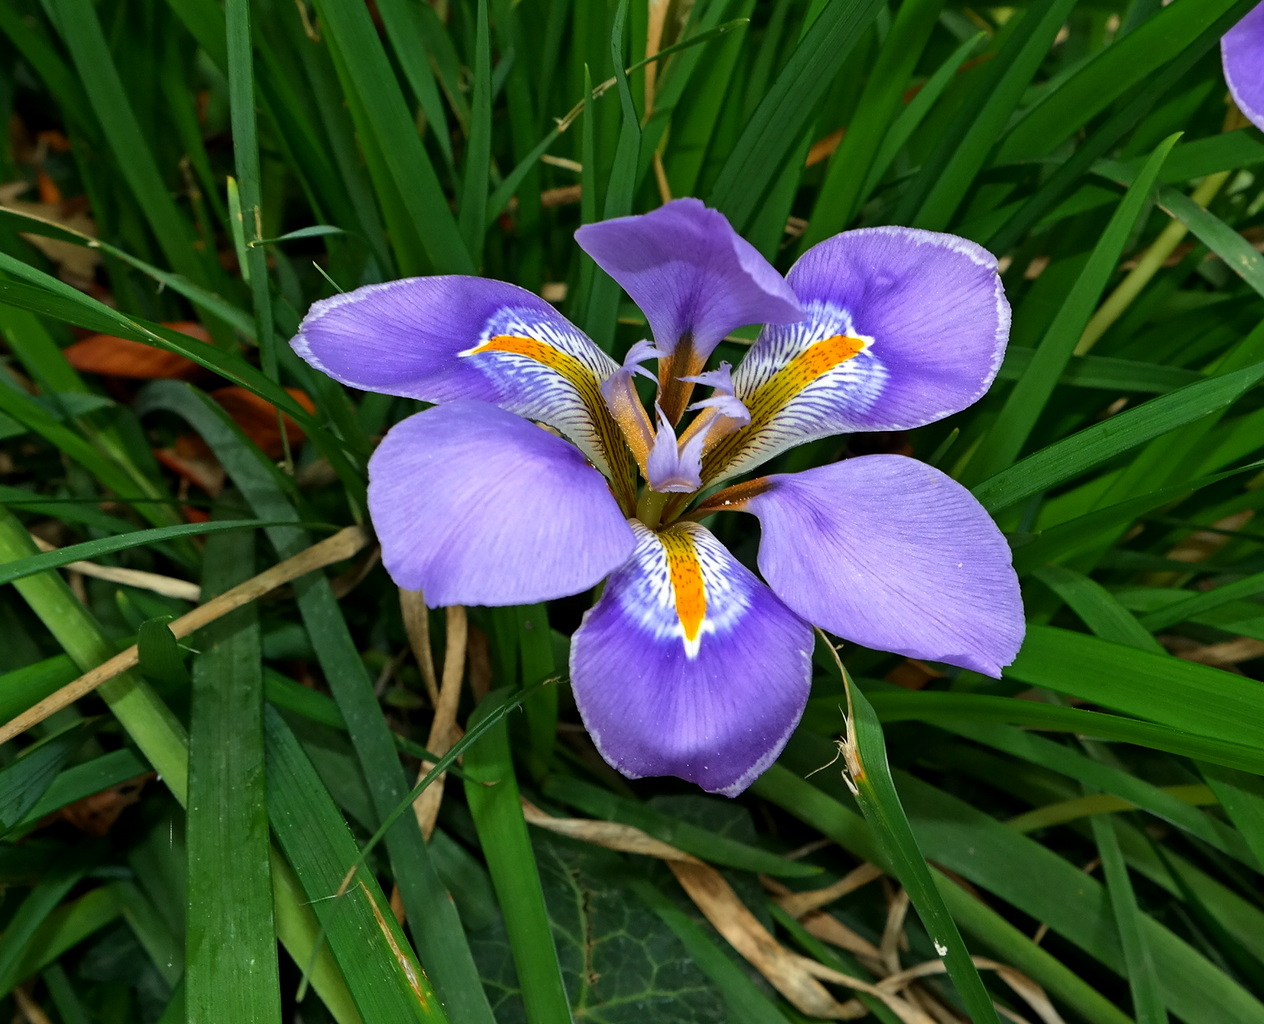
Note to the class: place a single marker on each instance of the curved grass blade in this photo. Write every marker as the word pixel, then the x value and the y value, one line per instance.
pixel 971 707
pixel 831 818
pixel 1029 396
pixel 1181 694
pixel 1109 75
pixel 945 178
pixel 380 967
pixel 865 752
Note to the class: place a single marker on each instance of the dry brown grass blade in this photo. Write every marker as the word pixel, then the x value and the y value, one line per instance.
pixel 893 939
pixel 341 545
pixel 1031 993
pixel 794 976
pixel 610 834
pixel 1228 654
pixel 801 903
pixel 412 606
pixel 28 1009
pixel 168 586
pixel 444 732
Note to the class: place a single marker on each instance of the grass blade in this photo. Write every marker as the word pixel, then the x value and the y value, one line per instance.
pixel 231 969
pixel 880 803
pixel 492 792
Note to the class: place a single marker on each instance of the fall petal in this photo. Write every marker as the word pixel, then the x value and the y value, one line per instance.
pixel 892 554
pixel 474 505
pixel 440 339
pixel 689 665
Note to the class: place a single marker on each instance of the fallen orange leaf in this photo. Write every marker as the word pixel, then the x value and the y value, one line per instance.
pixel 122 357
pixel 257 417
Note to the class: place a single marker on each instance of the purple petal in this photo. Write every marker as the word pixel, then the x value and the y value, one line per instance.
pixel 689 665
pixel 1242 50
pixel 904 327
pixel 690 272
pixel 474 505
pixel 440 339
pixel 892 554
pixel 673 466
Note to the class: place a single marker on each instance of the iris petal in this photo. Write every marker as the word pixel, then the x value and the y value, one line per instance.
pixel 1242 50
pixel 445 338
pixel 892 554
pixel 689 665
pixel 474 505
pixel 903 328
pixel 690 273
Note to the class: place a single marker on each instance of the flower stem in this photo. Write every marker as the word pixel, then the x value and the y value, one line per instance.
pixel 649 510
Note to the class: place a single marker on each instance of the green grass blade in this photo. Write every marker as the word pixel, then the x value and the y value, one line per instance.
pixel 1094 445
pixel 840 823
pixel 784 111
pixel 380 968
pixel 232 953
pixel 966 707
pixel 478 153
pixel 1098 608
pixel 384 121
pixel 432 916
pixel 880 803
pixel 1109 75
pixel 947 176
pixel 848 173
pixel 603 805
pixel 34 911
pixel 1025 403
pixel 90 549
pixel 133 157
pixel 492 792
pixel 241 88
pixel 1160 688
pixel 27 779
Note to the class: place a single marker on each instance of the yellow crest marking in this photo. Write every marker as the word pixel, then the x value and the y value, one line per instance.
pixel 687 585
pixel 780 390
pixel 586 384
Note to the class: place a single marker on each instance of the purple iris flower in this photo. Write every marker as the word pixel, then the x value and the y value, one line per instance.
pixel 689 664
pixel 1242 51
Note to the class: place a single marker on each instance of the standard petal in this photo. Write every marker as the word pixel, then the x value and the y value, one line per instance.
pixel 440 339
pixel 903 328
pixel 474 505
pixel 690 273
pixel 689 665
pixel 1242 50
pixel 892 554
